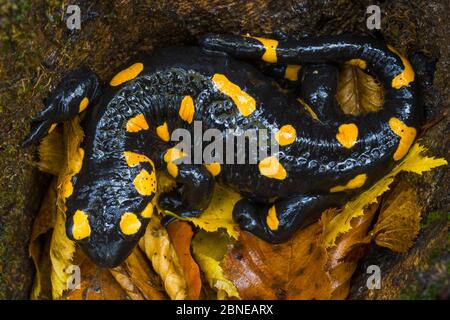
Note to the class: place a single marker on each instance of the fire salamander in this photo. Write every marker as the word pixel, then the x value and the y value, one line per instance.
pixel 324 156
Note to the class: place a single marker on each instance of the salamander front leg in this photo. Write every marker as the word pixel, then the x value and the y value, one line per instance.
pixel 194 192
pixel 73 94
pixel 278 222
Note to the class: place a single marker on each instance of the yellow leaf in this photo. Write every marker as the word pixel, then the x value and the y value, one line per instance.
pixel 61 247
pixel 209 249
pixel 218 215
pixel 158 249
pixel 415 162
pixel 51 153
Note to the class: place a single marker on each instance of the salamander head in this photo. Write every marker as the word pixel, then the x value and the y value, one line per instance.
pixel 106 219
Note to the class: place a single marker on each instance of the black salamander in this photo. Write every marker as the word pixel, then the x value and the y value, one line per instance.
pixel 324 156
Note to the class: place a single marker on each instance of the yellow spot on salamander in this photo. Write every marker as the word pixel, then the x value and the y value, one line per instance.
pixel 133 159
pixel 128 74
pixel 163 132
pixel 291 72
pixel 272 219
pixel 286 135
pixel 145 183
pixel 270 167
pixel 52 127
pixel 187 109
pixel 81 228
pixel 214 168
pixel 270 45
pixel 148 211
pixel 137 124
pixel 406 134
pixel 358 63
pixel 129 223
pixel 308 109
pixel 347 135
pixel 404 77
pixel 83 104
pixel 173 154
pixel 172 169
pixel 244 102
pixel 354 183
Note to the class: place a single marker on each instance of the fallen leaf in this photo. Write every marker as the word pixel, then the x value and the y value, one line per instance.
pixel 350 247
pixel 218 215
pixel 358 92
pixel 143 277
pixel 209 249
pixel 51 153
pixel 399 220
pixel 414 161
pixel 157 247
pixel 180 234
pixel 43 223
pixel 295 269
pixel 96 284
pixel 123 279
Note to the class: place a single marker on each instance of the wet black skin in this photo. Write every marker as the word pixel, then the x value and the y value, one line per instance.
pixel 314 163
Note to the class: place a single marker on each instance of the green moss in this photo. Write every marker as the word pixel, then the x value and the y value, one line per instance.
pixel 433 217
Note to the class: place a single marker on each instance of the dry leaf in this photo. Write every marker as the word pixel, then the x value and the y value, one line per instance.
pixel 43 223
pixel 209 249
pixel 159 250
pixel 123 279
pixel 350 247
pixel 96 284
pixel 291 270
pixel 358 92
pixel 180 234
pixel 399 220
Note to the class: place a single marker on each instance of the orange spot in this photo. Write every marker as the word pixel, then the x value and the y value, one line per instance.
pixel 128 74
pixel 145 183
pixel 291 72
pixel 286 135
pixel 148 211
pixel 244 102
pixel 52 127
pixel 137 124
pixel 173 154
pixel 270 55
pixel 172 169
pixel 406 134
pixel 358 63
pixel 187 109
pixel 354 183
pixel 404 77
pixel 270 167
pixel 163 132
pixel 81 228
pixel 83 104
pixel 214 168
pixel 133 159
pixel 129 223
pixel 347 135
pixel 272 219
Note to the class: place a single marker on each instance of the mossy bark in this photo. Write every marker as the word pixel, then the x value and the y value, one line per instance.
pixel 37 49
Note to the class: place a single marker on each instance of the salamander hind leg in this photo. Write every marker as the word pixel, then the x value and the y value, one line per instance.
pixel 80 88
pixel 277 222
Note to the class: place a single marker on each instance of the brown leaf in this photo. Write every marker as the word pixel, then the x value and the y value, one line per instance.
pixel 292 270
pixel 399 220
pixel 350 247
pixel 180 233
pixel 358 92
pixel 43 223
pixel 96 284
pixel 143 277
